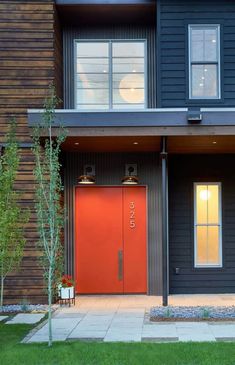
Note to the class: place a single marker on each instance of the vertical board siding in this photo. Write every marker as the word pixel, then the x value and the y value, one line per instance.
pixel 28 49
pixel 110 169
pixel 183 172
pixel 108 33
pixel 175 17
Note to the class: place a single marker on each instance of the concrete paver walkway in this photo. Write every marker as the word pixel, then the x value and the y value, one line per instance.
pixel 2 318
pixel 125 318
pixel 26 318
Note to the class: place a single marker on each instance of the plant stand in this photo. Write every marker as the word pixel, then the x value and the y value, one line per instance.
pixel 66 296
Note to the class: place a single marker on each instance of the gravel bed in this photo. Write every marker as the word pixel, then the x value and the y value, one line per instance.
pixel 19 308
pixel 194 313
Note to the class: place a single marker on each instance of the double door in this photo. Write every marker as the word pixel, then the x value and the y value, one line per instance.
pixel 110 234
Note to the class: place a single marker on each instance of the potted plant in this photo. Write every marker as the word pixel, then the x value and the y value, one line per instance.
pixel 66 287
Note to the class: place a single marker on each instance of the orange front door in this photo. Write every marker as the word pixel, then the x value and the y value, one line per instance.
pixel 110 232
pixel 134 239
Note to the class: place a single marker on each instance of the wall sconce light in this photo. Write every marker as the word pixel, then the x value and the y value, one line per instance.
pixel 88 177
pixel 130 177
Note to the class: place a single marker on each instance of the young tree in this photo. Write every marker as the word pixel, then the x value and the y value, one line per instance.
pixel 12 216
pixel 50 215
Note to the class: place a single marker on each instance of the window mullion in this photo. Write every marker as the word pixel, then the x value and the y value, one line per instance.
pixel 204 62
pixel 207 225
pixel 110 75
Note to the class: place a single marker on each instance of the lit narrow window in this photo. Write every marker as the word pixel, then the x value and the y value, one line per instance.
pixel 207 225
pixel 110 75
pixel 204 62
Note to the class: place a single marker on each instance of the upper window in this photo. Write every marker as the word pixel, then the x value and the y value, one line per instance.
pixel 204 62
pixel 110 75
pixel 207 225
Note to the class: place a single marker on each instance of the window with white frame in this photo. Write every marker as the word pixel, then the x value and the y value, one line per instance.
pixel 207 225
pixel 110 75
pixel 204 62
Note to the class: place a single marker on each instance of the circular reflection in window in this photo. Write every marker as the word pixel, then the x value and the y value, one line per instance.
pixel 131 88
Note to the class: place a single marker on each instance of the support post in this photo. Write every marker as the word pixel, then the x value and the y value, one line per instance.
pixel 164 222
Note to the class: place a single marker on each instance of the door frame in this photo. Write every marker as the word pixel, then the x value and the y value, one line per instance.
pixel 146 218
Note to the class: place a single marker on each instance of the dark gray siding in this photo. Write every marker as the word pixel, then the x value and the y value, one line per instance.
pixel 107 33
pixel 175 17
pixel 183 171
pixel 109 171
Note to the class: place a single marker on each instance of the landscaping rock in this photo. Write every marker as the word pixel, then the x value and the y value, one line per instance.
pixel 29 308
pixel 196 313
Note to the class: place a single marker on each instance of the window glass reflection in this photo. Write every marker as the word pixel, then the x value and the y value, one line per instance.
pixel 204 81
pixel 204 45
pixel 110 75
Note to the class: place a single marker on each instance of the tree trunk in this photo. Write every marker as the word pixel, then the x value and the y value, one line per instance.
pixel 1 296
pixel 49 308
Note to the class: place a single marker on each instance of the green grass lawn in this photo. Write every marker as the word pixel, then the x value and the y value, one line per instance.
pixel 91 353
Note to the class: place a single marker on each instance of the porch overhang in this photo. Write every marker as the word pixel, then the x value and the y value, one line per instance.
pixel 105 2
pixel 118 131
pixel 73 12
pixel 158 122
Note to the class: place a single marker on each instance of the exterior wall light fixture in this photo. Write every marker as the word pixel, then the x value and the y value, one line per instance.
pixel 194 116
pixel 88 177
pixel 130 177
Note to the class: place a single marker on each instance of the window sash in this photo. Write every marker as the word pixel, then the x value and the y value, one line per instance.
pixel 208 225
pixel 205 62
pixel 111 74
pixel 208 86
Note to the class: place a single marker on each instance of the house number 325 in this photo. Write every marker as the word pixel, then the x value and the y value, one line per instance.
pixel 132 215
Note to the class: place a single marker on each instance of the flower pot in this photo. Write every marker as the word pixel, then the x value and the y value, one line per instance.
pixel 66 293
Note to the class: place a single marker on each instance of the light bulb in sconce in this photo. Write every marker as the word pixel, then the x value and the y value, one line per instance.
pixel 131 88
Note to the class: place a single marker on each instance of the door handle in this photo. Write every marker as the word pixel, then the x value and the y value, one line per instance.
pixel 120 265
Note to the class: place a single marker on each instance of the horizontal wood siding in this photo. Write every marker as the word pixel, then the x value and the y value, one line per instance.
pixel 94 32
pixel 183 172
pixel 58 58
pixel 175 17
pixel 27 66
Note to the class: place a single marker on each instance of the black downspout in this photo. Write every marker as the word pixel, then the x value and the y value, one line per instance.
pixel 164 222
